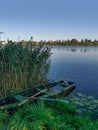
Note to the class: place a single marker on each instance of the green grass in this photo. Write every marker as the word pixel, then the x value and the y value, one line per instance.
pixel 43 116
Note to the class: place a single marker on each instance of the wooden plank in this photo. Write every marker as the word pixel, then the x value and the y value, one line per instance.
pixel 27 99
pixel 19 97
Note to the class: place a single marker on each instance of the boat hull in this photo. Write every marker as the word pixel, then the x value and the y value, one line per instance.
pixel 47 90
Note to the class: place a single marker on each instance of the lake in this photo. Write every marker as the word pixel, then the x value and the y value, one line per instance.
pixel 77 64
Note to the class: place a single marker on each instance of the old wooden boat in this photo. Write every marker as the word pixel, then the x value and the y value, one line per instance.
pixel 47 90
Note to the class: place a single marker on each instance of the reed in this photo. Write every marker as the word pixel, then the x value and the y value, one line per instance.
pixel 22 66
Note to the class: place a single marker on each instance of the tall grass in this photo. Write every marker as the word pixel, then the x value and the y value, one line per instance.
pixel 43 117
pixel 22 66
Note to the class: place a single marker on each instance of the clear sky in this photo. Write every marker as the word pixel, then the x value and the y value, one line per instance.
pixel 49 19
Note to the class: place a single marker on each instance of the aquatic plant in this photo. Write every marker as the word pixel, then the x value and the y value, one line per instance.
pixel 86 105
pixel 22 66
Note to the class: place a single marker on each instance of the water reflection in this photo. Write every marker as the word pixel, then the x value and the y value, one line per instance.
pixel 78 64
pixel 75 48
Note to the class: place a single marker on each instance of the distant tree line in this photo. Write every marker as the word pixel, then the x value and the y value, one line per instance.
pixel 69 42
pixel 72 42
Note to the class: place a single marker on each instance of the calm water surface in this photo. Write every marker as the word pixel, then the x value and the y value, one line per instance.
pixel 78 64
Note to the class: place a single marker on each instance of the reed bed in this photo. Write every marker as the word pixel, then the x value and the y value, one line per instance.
pixel 22 66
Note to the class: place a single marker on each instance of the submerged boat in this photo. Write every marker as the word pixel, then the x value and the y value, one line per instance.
pixel 54 89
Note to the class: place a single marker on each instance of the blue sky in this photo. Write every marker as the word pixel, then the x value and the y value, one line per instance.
pixel 49 19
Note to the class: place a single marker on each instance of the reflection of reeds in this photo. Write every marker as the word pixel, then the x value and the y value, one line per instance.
pixel 22 66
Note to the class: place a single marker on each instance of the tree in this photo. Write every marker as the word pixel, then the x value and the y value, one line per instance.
pixel 74 41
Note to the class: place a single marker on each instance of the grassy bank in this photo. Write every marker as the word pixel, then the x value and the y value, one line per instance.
pixel 42 116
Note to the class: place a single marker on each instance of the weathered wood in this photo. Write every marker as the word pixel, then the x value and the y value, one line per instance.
pixel 47 90
pixel 26 100
pixel 19 97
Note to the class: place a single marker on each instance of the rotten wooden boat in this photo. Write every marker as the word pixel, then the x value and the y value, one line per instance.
pixel 43 91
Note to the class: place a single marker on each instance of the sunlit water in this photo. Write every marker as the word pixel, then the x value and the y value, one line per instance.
pixel 78 64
